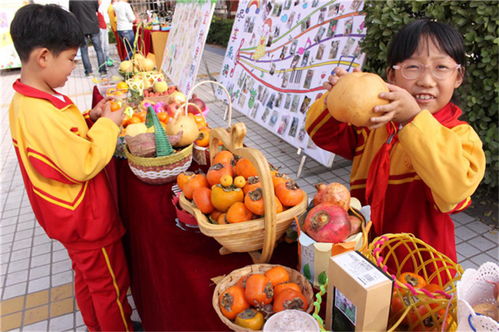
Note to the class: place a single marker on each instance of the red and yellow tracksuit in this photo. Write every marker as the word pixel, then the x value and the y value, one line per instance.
pixel 433 165
pixel 62 162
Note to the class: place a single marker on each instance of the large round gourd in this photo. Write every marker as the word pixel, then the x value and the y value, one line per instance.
pixel 187 125
pixel 354 96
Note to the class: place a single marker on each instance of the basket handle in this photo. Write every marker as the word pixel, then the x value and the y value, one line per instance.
pixel 189 96
pixel 233 141
pixel 163 146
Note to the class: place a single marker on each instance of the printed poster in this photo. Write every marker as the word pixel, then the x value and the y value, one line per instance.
pixel 9 58
pixel 280 53
pixel 185 44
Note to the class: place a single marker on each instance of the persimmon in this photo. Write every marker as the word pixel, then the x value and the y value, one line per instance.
pixel 182 179
pixel 203 138
pixel 202 199
pixel 287 285
pixel 289 193
pixel 142 115
pixel 250 319
pixel 222 157
pixel 254 201
pixel 277 275
pixel 214 215
pixel 289 299
pixel 258 291
pixel 238 212
pixel 245 168
pixel 222 220
pixel 413 279
pixel 278 206
pixel 242 281
pixel 232 302
pixel 252 183
pixel 135 119
pixel 223 197
pixel 278 178
pixel 216 171
pixel 194 183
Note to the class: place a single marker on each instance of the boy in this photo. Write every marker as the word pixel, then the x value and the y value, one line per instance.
pixel 62 154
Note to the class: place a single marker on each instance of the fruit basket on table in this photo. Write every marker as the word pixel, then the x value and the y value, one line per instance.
pixel 237 276
pixel 424 293
pixel 253 235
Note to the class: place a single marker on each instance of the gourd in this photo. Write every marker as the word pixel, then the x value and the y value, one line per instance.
pixel 187 125
pixel 354 96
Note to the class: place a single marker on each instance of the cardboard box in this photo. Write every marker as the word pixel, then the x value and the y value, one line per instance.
pixel 313 256
pixel 359 294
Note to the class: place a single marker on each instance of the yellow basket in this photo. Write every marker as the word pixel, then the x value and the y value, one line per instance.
pixel 235 275
pixel 422 309
pixel 253 235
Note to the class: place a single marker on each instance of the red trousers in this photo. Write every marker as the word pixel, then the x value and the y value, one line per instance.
pixel 101 285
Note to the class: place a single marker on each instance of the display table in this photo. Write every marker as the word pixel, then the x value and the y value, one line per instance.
pixel 171 268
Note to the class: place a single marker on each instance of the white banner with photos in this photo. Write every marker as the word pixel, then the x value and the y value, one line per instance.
pixel 280 53
pixel 184 47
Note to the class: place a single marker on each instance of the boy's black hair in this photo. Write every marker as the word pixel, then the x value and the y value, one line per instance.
pixel 48 26
pixel 405 42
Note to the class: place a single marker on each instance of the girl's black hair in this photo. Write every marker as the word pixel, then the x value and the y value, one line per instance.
pixel 405 42
pixel 48 26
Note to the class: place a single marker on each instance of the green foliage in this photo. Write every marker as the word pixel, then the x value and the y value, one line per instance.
pixel 478 23
pixel 220 30
pixel 111 36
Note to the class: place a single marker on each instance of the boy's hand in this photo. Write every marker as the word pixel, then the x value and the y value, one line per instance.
pixel 334 77
pixel 116 116
pixel 402 107
pixel 97 111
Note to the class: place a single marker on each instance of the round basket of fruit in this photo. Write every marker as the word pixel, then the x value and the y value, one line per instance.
pixel 247 297
pixel 253 209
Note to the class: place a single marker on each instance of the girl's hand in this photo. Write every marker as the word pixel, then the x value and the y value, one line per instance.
pixel 96 112
pixel 116 116
pixel 402 107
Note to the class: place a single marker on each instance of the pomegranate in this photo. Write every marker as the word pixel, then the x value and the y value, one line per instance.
pixel 327 222
pixel 334 192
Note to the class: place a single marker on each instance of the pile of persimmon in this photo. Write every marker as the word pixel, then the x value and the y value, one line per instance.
pixel 255 297
pixel 231 191
pixel 416 318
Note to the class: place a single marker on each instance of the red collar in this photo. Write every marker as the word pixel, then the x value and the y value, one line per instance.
pixel 29 91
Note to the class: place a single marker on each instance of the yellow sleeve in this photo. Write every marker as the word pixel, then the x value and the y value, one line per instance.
pixel 450 161
pixel 65 141
pixel 316 111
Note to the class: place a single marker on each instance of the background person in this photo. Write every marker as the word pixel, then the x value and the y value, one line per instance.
pixel 124 24
pixel 86 14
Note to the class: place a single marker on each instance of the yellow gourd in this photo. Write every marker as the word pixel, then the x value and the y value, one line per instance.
pixel 187 125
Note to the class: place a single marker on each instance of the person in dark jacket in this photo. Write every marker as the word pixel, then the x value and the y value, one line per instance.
pixel 86 13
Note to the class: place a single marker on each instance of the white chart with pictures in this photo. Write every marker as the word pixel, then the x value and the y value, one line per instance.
pixel 280 53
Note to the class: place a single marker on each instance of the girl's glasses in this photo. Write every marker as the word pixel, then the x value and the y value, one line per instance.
pixel 412 71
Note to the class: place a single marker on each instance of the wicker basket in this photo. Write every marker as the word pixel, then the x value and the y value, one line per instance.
pixel 234 276
pixel 256 234
pixel 404 252
pixel 167 165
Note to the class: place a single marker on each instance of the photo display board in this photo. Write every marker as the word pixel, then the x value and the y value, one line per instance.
pixel 280 53
pixel 9 58
pixel 185 44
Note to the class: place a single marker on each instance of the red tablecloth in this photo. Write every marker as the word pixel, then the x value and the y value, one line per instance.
pixel 171 268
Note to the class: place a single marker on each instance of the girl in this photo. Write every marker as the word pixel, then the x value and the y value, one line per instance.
pixel 417 162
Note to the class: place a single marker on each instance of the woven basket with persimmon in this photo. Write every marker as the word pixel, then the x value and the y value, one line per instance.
pixel 424 295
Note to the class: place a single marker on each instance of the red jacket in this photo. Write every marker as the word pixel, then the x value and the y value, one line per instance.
pixel 62 162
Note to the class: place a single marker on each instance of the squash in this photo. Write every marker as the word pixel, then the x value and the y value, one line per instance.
pixel 354 96
pixel 187 125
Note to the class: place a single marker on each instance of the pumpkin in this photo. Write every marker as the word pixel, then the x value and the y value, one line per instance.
pixel 238 212
pixel 187 125
pixel 223 197
pixel 232 302
pixel 354 96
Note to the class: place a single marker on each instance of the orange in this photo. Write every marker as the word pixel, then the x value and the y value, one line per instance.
pixel 163 117
pixel 115 106
pixel 122 86
pixel 135 119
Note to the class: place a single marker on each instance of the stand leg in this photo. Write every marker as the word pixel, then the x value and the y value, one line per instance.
pixel 300 167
